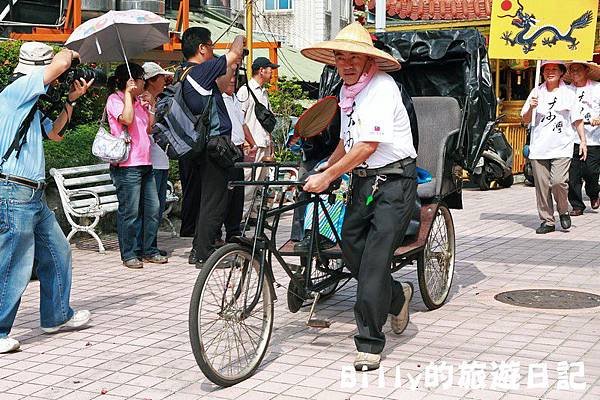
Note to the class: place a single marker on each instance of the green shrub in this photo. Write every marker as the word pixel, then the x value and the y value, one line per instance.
pixel 74 150
pixel 285 104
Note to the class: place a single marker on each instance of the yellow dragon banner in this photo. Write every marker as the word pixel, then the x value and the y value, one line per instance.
pixel 543 29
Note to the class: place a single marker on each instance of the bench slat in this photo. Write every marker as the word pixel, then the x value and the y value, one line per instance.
pixel 91 200
pixel 83 180
pixel 79 170
pixel 99 189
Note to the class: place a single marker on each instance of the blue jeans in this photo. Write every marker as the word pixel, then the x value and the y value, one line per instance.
pixel 29 233
pixel 161 177
pixel 135 186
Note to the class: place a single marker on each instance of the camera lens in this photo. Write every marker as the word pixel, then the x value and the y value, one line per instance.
pixel 91 73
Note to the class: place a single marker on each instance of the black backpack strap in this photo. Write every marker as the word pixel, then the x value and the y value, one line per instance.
pixel 20 137
pixel 253 95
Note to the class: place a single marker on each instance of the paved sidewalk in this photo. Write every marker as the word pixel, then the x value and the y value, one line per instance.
pixel 137 345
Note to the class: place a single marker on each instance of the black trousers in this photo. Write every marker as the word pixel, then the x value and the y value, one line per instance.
pixel 581 171
pixel 213 204
pixel 190 174
pixel 235 205
pixel 370 235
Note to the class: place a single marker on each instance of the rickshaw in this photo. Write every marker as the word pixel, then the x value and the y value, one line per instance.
pixel 232 305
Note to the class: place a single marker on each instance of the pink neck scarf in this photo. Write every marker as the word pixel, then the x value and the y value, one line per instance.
pixel 350 92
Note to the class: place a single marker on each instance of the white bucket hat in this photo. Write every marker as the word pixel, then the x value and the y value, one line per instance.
pixel 33 56
pixel 152 69
pixel 353 38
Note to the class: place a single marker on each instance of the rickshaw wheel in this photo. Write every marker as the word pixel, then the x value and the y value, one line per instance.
pixel 229 339
pixel 435 265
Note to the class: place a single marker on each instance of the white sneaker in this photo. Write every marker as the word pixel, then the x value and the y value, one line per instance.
pixel 8 344
pixel 80 318
pixel 366 361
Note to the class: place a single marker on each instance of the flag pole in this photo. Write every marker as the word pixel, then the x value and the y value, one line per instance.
pixel 538 70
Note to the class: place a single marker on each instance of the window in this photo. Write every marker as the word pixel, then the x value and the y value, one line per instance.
pixel 278 5
pixel 344 8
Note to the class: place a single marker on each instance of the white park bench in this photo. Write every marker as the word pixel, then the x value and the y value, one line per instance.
pixel 87 192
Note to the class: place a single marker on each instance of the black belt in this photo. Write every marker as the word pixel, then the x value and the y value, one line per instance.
pixel 23 181
pixel 396 167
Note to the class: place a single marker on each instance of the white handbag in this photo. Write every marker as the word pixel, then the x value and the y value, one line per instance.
pixel 110 148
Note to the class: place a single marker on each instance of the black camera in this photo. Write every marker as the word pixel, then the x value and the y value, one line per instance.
pixel 76 72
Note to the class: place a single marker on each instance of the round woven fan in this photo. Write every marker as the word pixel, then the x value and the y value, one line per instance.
pixel 317 118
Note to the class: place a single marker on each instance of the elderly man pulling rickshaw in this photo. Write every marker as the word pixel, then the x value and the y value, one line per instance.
pixel 376 145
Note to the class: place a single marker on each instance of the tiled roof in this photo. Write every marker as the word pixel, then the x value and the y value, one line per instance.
pixel 434 9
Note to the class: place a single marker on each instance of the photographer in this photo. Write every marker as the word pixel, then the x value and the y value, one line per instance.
pixel 29 232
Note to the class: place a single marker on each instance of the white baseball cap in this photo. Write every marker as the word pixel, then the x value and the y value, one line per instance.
pixel 32 56
pixel 151 69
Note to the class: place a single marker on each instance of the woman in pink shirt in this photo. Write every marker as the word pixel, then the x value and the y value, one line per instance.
pixel 133 178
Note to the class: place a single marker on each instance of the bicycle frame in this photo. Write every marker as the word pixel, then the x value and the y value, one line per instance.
pixel 267 247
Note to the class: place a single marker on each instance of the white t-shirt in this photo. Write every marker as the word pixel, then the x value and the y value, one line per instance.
pixel 379 115
pixel 234 110
pixel 553 133
pixel 159 158
pixel 589 100
pixel 261 137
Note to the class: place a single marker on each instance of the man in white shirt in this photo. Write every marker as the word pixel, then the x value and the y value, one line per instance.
pixel 262 70
pixel 588 96
pixel 556 121
pixel 376 144
pixel 239 134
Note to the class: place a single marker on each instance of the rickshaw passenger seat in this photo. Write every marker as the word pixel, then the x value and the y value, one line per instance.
pixel 438 117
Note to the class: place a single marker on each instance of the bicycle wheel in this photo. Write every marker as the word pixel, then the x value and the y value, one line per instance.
pixel 435 265
pixel 229 339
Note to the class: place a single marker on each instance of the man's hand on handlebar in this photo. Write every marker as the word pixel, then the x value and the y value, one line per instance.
pixel 317 183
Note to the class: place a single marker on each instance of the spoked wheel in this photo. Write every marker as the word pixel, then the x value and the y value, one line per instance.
pixel 435 266
pixel 229 336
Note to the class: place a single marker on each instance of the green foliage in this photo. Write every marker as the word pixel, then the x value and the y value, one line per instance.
pixel 284 102
pixel 9 54
pixel 173 170
pixel 74 150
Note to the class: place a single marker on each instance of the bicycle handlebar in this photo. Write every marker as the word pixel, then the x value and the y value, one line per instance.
pixel 285 164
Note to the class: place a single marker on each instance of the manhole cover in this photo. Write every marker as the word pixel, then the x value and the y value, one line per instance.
pixel 549 299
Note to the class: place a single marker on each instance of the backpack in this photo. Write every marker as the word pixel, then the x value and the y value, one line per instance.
pixel 179 132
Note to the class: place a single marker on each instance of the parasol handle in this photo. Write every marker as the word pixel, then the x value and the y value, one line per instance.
pixel 123 51
pixel 538 70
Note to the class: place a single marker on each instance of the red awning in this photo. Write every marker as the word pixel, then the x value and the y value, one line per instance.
pixel 434 9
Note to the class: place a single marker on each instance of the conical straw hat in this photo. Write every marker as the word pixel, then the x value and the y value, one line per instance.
pixel 593 73
pixel 353 38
